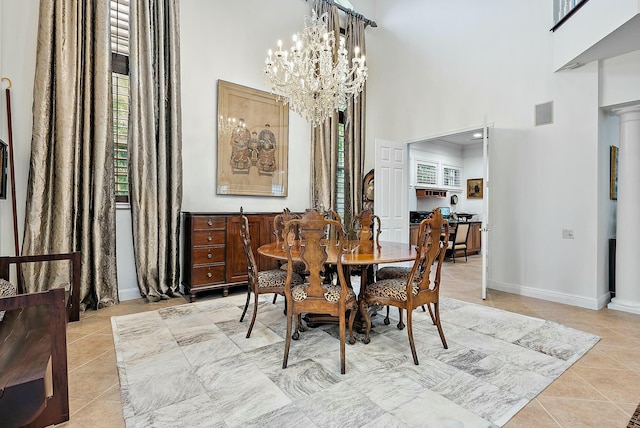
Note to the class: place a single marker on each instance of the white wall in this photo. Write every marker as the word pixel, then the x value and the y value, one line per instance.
pixel 472 167
pixel 18 31
pixel 219 40
pixel 619 79
pixel 458 70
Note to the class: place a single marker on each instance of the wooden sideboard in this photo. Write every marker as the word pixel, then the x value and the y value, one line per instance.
pixel 212 252
pixel 474 242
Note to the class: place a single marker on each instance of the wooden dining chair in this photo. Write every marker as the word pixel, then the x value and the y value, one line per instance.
pixel 418 288
pixel 459 241
pixel 278 230
pixel 260 282
pixel 314 295
pixel 398 272
pixel 366 226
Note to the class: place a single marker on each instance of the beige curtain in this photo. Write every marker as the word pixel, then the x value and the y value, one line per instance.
pixel 324 138
pixel 354 138
pixel 70 193
pixel 155 156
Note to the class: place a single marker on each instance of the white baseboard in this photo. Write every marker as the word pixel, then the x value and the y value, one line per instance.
pixel 552 296
pixel 129 294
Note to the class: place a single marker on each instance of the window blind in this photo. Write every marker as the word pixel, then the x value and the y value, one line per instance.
pixel 451 176
pixel 120 89
pixel 120 27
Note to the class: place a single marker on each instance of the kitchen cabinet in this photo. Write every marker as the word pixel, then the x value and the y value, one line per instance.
pixel 213 256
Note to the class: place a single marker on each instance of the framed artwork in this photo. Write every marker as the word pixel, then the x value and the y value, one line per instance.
pixel 253 142
pixel 475 188
pixel 613 172
pixel 4 161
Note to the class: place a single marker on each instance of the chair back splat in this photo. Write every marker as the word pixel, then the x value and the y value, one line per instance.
pixel 316 295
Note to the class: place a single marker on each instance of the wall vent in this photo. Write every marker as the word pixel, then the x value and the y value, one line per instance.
pixel 544 113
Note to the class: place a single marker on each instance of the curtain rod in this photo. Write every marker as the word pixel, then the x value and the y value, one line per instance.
pixel 352 12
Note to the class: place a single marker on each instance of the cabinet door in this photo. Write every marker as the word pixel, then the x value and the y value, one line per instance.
pixel 413 233
pixel 236 258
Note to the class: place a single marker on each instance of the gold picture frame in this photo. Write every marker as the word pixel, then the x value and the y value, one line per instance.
pixel 475 188
pixel 253 142
pixel 613 173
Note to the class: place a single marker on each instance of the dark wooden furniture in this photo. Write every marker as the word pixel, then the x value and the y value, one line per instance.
pixel 420 288
pixel 33 360
pixel 213 256
pixel 314 296
pixel 75 263
pixel 260 282
pixel 357 253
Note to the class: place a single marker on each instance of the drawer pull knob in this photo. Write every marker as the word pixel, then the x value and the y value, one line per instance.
pixel 209 238
pixel 209 255
pixel 210 222
pixel 209 274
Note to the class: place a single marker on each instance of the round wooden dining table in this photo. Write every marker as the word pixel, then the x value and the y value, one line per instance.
pixel 362 254
pixel 359 255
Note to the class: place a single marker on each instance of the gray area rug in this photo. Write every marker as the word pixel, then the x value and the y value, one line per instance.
pixel 191 366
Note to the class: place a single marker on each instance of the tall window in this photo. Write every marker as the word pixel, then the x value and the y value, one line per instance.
pixel 340 174
pixel 120 87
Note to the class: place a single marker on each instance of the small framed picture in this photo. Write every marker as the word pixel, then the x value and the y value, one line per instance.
pixel 475 188
pixel 613 177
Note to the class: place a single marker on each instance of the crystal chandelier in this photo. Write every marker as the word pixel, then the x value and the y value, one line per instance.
pixel 308 78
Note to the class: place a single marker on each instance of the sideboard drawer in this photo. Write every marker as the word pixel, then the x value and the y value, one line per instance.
pixel 209 222
pixel 206 255
pixel 209 237
pixel 208 274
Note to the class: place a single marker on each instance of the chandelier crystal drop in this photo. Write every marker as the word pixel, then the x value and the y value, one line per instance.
pixel 307 76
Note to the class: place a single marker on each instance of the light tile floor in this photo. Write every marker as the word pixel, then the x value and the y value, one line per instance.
pixel 601 390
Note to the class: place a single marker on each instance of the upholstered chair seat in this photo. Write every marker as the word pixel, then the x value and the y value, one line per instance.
pixel 393 272
pixel 275 278
pixel 394 289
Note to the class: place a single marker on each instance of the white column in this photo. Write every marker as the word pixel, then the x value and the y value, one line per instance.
pixel 628 210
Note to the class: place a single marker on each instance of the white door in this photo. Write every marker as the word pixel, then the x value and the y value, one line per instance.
pixel 391 188
pixel 484 245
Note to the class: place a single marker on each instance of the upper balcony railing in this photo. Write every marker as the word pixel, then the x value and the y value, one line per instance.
pixel 563 9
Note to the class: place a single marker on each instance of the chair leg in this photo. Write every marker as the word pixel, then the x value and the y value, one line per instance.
pixel 453 254
pixel 465 255
pixel 275 296
pixel 364 312
pixel 436 309
pixel 410 332
pixel 424 310
pixel 343 338
pixel 296 334
pixel 352 317
pixel 400 323
pixel 287 341
pixel 255 313
pixel 246 304
pixel 387 321
pixel 433 318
